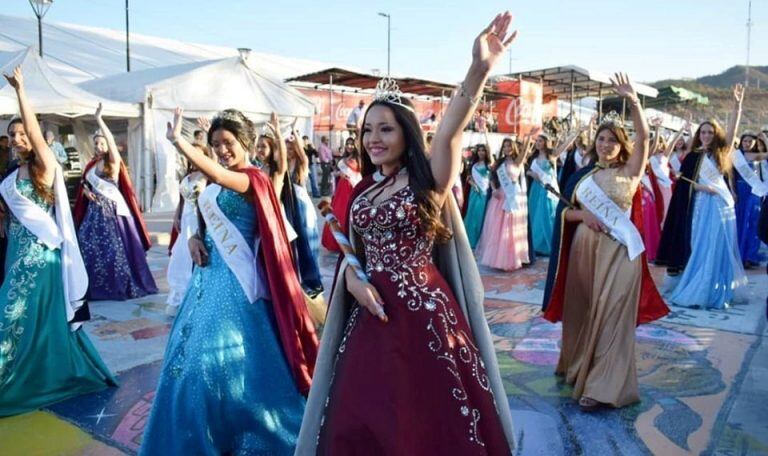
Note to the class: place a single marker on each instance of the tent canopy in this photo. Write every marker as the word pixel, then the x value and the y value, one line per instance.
pixel 203 88
pixel 51 94
pixel 345 77
pixel 561 81
pixel 81 53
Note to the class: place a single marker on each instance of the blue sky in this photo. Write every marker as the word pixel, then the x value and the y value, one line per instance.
pixel 651 39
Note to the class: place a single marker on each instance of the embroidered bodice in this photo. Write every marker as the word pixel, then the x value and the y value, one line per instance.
pixel 391 233
pixel 621 189
pixel 26 188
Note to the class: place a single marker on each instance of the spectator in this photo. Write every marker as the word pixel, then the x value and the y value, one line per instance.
pixel 326 165
pixel 5 154
pixel 56 147
pixel 355 117
pixel 312 156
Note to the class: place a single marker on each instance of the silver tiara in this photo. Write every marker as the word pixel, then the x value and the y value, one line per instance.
pixel 614 118
pixel 388 91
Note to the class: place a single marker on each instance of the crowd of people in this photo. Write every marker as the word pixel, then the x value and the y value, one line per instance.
pixel 406 362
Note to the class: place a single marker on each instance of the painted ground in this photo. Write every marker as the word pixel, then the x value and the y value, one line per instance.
pixel 703 378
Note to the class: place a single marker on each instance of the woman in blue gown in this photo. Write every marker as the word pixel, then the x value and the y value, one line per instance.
pixel 239 356
pixel 45 357
pixel 747 203
pixel 110 225
pixel 541 204
pixel 480 179
pixel 713 272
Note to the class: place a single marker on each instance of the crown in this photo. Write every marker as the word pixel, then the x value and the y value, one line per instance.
pixel 614 118
pixel 388 91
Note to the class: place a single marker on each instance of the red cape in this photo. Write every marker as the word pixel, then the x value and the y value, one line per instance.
pixel 126 189
pixel 651 306
pixel 297 333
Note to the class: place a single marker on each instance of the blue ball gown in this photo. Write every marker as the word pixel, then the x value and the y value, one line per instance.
pixel 541 209
pixel 475 216
pixel 225 386
pixel 747 218
pixel 714 271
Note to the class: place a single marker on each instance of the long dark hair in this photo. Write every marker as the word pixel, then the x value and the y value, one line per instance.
pixel 354 154
pixel 415 160
pixel 34 166
pixel 236 123
pixel 476 154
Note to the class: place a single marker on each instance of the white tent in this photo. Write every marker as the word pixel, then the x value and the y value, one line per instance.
pixel 81 53
pixel 51 94
pixel 202 89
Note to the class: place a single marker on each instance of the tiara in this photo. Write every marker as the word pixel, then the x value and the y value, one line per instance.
pixel 388 91
pixel 614 118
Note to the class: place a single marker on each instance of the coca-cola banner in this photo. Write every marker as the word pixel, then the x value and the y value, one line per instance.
pixel 345 102
pixel 520 115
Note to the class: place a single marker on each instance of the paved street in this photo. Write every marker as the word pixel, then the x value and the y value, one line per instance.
pixel 703 377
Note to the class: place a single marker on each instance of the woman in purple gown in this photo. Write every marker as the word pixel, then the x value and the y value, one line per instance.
pixel 110 228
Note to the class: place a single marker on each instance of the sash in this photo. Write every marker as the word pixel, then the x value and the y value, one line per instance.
pixel 660 167
pixel 482 182
pixel 352 176
pixel 592 197
pixel 509 187
pixel 759 188
pixel 231 244
pixel 710 175
pixel 764 170
pixel 675 163
pixel 646 181
pixel 108 190
pixel 546 179
pixel 55 229
pixel 579 159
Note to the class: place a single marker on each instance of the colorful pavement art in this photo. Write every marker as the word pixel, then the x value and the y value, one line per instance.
pixel 703 379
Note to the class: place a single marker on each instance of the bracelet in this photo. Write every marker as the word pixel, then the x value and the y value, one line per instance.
pixel 463 93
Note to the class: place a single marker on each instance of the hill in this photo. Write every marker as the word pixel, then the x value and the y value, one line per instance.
pixel 718 88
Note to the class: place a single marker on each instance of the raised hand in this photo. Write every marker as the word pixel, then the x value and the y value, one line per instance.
pixel 738 93
pixel 173 131
pixel 623 86
pixel 656 122
pixel 16 80
pixel 493 41
pixel 204 123
pixel 98 110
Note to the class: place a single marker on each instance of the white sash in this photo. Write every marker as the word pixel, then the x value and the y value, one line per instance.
pixel 509 187
pixel 592 197
pixel 180 265
pixel 353 176
pixel 56 230
pixel 674 162
pixel 108 190
pixel 759 188
pixel 710 175
pixel 482 182
pixel 764 170
pixel 545 178
pixel 646 181
pixel 580 158
pixel 231 245
pixel 660 167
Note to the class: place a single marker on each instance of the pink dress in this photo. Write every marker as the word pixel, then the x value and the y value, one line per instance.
pixel 651 223
pixel 504 241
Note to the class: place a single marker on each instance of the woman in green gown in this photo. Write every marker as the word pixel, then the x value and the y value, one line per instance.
pixel 44 355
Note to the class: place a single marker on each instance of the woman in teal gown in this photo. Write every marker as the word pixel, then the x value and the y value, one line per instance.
pixel 226 385
pixel 42 359
pixel 479 194
pixel 541 205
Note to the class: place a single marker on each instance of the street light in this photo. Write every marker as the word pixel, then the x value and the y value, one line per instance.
pixel 127 41
pixel 40 7
pixel 389 34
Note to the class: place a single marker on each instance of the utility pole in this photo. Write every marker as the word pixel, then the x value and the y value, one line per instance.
pixel 127 40
pixel 749 42
pixel 389 38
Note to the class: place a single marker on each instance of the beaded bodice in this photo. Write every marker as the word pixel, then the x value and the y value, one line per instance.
pixel 391 233
pixel 619 188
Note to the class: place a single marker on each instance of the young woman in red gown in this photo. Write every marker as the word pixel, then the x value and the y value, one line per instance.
pixel 349 176
pixel 422 379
